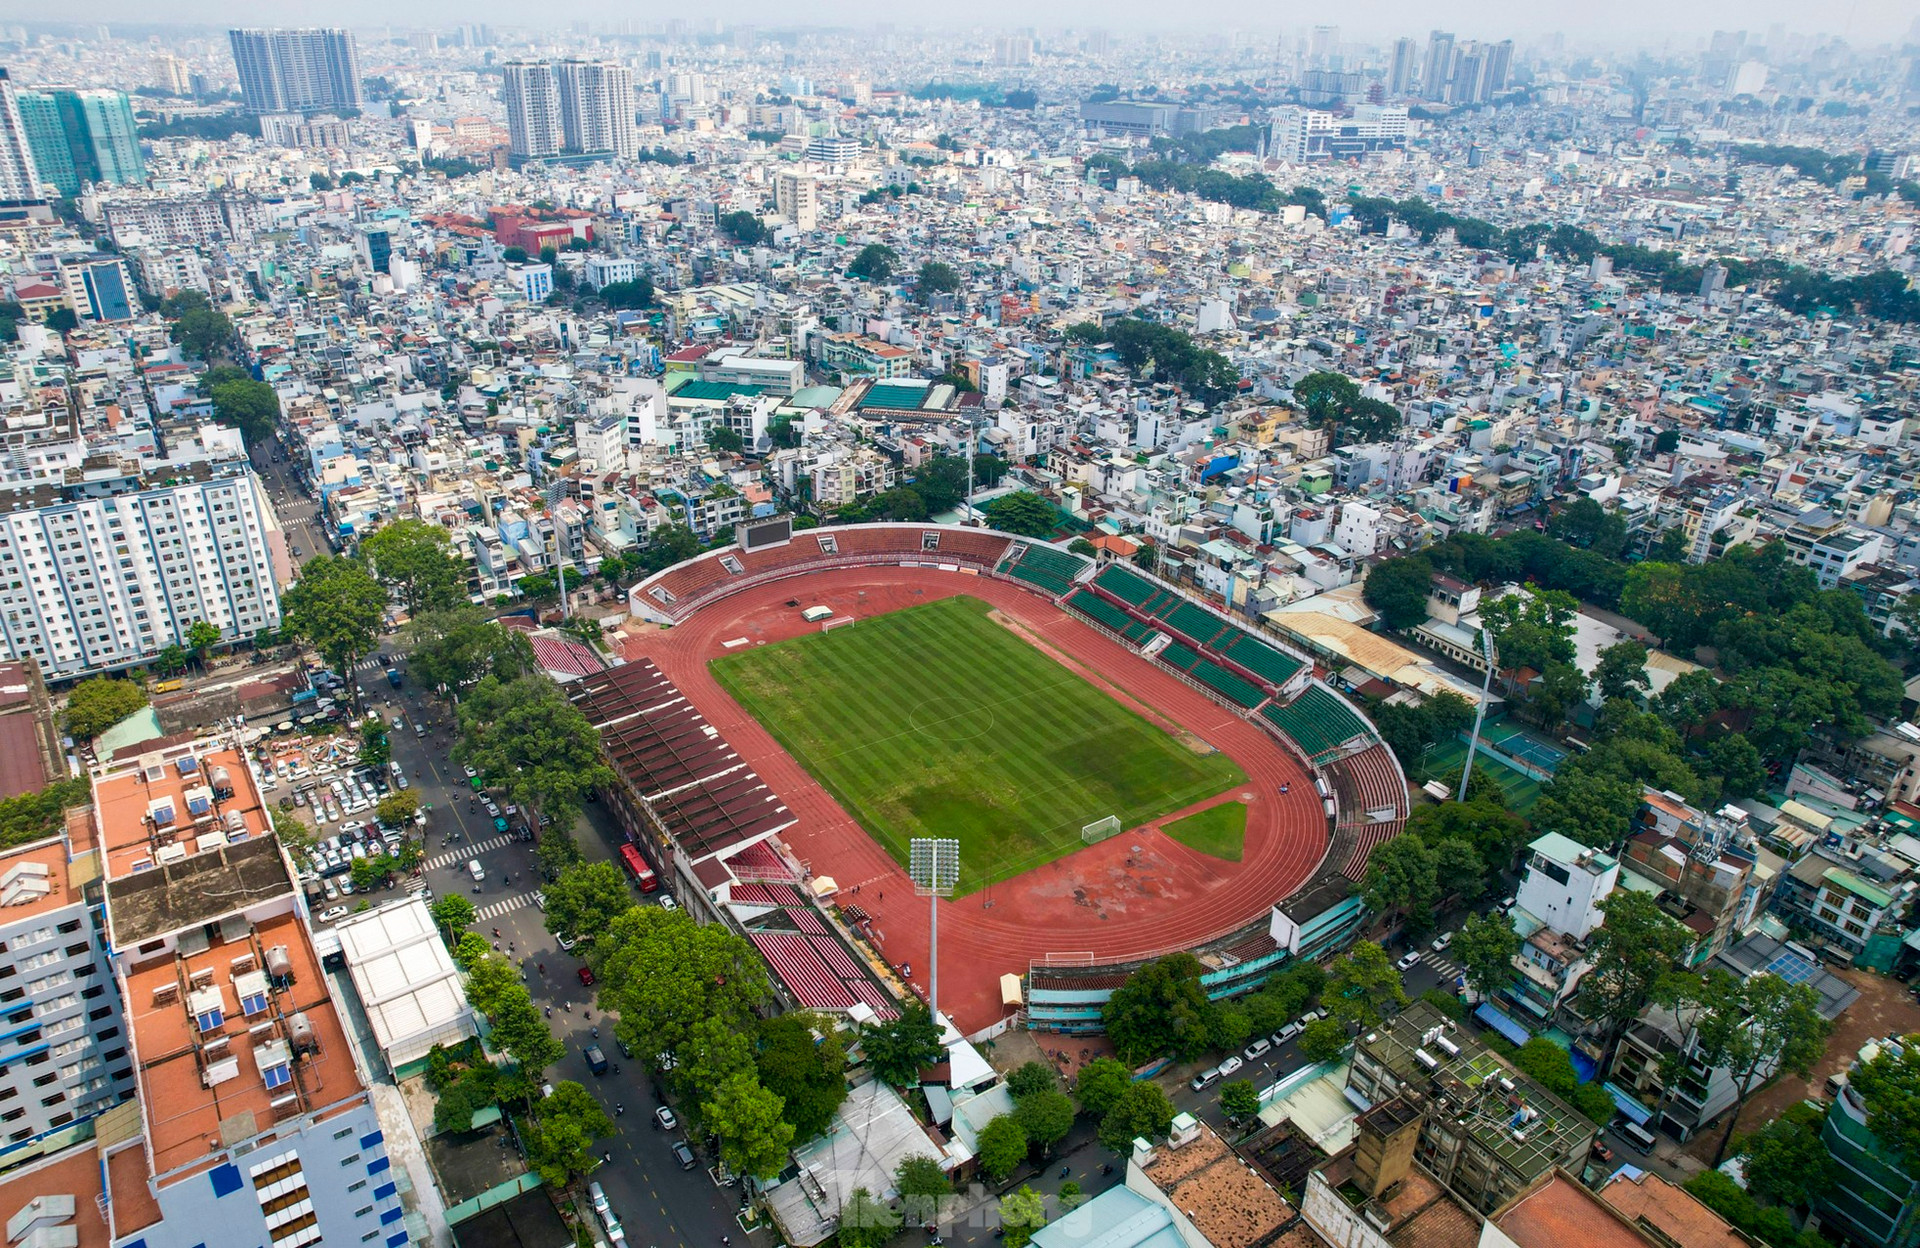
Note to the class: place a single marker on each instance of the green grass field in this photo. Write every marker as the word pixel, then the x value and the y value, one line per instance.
pixel 1220 831
pixel 1443 763
pixel 937 721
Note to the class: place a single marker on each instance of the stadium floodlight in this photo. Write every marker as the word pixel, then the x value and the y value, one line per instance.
pixel 933 863
pixel 1479 715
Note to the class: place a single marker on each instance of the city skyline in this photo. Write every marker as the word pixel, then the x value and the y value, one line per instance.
pixel 1866 21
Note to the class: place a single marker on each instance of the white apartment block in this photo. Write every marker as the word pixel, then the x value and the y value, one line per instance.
pixel 596 107
pixel 165 223
pixel 533 108
pixel 90 584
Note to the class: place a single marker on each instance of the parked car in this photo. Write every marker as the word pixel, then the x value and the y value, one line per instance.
pixel 586 977
pixel 664 1117
pixel 1258 1049
pixel 1205 1079
pixel 333 912
pixel 1229 1066
pixel 1441 942
pixel 683 1155
pixel 1288 1032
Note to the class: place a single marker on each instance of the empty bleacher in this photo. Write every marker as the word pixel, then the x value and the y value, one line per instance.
pixel 1318 722
pixel 1133 590
pixel 1265 662
pixel 1369 781
pixel 1086 603
pixel 1220 641
pixel 1227 685
pixel 1043 566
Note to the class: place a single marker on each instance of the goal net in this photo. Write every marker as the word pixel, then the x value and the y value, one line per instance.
pixel 845 621
pixel 1100 829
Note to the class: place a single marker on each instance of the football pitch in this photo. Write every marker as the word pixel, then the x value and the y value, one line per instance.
pixel 937 721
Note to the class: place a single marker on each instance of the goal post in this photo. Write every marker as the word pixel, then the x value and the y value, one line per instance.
pixel 842 621
pixel 1100 829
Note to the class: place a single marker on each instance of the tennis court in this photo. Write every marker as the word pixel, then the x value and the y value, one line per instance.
pixel 1443 763
pixel 1515 741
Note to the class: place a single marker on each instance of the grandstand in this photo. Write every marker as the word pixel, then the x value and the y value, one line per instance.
pixel 1221 643
pixel 1319 723
pixel 1212 676
pixel 1047 567
pixel 1371 796
pixel 673 595
pixel 1097 610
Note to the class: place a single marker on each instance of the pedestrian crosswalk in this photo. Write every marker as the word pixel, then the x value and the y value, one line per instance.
pixel 472 851
pixel 506 905
pixel 1446 967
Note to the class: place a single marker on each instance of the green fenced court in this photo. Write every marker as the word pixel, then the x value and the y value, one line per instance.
pixel 1443 763
pixel 937 721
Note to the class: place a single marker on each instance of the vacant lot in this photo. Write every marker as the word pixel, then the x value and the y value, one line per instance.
pixel 937 721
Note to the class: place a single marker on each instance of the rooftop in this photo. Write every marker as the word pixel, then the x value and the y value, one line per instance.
pixel 1558 1211
pixel 1674 1212
pixel 1224 1198
pixel 36 879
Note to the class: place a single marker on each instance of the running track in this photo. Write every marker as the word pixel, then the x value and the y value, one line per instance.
pixel 1102 900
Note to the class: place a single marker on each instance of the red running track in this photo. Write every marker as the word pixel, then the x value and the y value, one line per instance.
pixel 1104 900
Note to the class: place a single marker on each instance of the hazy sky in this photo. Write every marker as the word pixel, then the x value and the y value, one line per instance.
pixel 1860 21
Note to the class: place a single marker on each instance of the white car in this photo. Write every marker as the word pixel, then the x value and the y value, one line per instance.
pixel 1408 960
pixel 471 770
pixel 1441 942
pixel 333 912
pixel 1229 1066
pixel 667 902
pixel 566 942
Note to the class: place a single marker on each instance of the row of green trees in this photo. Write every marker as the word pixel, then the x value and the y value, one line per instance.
pixel 1163 353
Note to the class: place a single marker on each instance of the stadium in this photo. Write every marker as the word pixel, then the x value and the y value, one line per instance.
pixel 1085 733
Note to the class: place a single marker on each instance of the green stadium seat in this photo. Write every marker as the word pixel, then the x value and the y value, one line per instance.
pixel 1050 569
pixel 1317 722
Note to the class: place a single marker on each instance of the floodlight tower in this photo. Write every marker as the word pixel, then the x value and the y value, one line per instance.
pixel 934 866
pixel 1479 715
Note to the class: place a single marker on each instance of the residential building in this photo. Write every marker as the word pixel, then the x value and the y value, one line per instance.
pixel 532 93
pixel 20 180
pixel 81 136
pixel 833 149
pixel 1209 1194
pixel 254 1125
pixel 1405 67
pixel 1437 74
pixel 1704 865
pixel 1875 1198
pixel 1830 898
pixel 1564 884
pixel 1303 134
pixel 596 108
pixel 323 131
pixel 1485 1130
pixel 794 199
pixel 111 566
pixel 99 287
pixel 602 271
pixel 65 1059
pixel 167 222
pixel 297 70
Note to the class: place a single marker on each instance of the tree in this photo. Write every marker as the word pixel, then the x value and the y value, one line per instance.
pixel 62 320
pixel 1635 945
pixel 375 749
pixel 754 1135
pixel 1785 1161
pixel 469 951
pixel 684 991
pixel 201 638
pixel 367 872
pixel 865 1222
pixel 875 263
pixel 1100 1083
pixel 171 659
pixel 1322 1040
pixel 250 406
pixel 721 438
pixel 923 1188
pixel 521 1030
pixel 1003 1146
pixel 745 228
pixel 338 607
pixel 637 293
pixel 1031 1077
pixel 1485 947
pixel 1045 1116
pixel 1397 589
pixel 801 1061
pixel 525 734
pixel 450 650
pixel 1161 1008
pixel 586 899
pixel 99 702
pixel 1403 875
pixel 1889 1089
pixel 1778 1028
pixel 1022 512
pixel 556 851
pixel 936 278
pixel 200 331
pixel 415 561
pixel 451 913
pixel 560 1137
pixel 397 809
pixel 898 1048
pixel 1560 688
pixel 1143 1111
pixel 1021 1214
pixel 1147 557
pixel 1549 1066
pixel 1622 670
pixel 1362 986
pixel 1239 1099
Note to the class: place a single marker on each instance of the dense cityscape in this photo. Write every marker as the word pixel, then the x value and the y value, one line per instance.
pixel 1206 638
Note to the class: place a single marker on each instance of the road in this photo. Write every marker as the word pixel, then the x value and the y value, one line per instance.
pixel 298 512
pixel 655 1200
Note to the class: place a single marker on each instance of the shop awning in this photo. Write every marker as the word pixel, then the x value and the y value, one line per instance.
pixel 1501 1023
pixel 1625 1102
